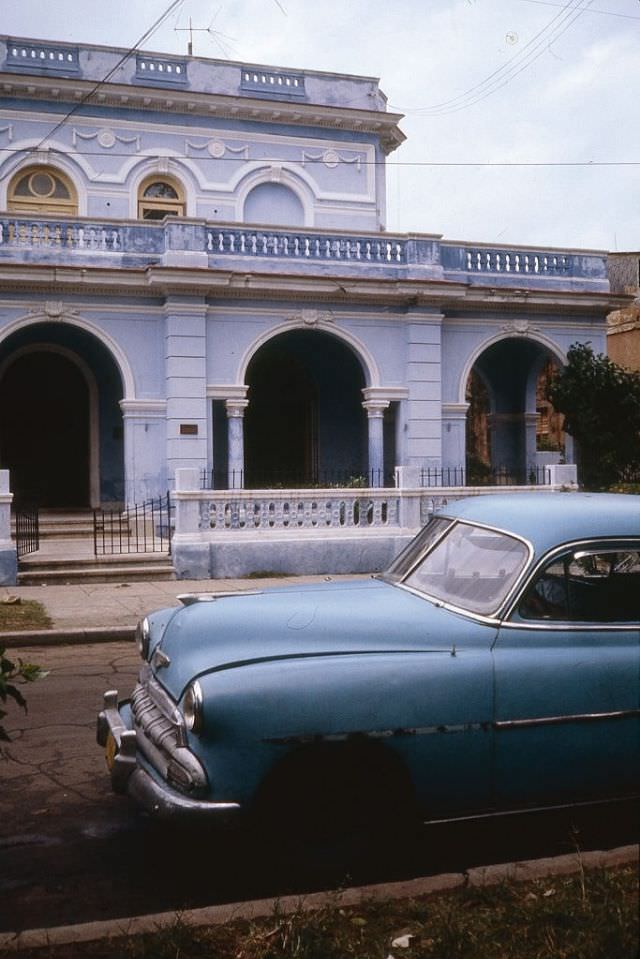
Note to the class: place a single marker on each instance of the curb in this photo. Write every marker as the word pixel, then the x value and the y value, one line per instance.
pixel 260 908
pixel 67 637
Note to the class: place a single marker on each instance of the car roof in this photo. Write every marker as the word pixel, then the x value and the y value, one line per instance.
pixel 548 519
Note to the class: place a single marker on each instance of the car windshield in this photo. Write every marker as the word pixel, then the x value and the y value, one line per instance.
pixel 468 566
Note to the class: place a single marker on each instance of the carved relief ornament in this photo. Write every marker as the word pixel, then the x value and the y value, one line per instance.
pixel 520 326
pixel 331 159
pixel 311 318
pixel 106 138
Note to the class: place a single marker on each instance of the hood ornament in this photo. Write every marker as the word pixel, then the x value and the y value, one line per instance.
pixel 160 659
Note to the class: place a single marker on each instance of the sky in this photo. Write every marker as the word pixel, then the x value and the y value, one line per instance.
pixel 521 116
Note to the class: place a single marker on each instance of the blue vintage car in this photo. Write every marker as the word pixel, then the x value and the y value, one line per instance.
pixel 494 666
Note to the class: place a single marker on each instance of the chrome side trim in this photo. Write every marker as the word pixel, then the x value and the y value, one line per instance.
pixel 523 810
pixel 296 739
pixel 561 720
pixel 355 735
pixel 565 627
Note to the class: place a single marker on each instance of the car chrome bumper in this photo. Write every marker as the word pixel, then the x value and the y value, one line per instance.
pixel 129 776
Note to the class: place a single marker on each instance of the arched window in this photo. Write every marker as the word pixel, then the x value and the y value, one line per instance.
pixel 273 204
pixel 42 189
pixel 159 197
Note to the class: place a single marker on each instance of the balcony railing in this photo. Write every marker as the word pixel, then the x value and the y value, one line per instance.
pixel 310 246
pixel 297 510
pixel 66 240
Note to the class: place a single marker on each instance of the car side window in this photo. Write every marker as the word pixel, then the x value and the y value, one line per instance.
pixel 586 586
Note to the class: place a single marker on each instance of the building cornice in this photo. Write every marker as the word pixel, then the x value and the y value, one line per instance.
pixel 163 282
pixel 194 103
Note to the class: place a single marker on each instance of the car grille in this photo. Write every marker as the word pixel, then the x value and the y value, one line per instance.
pixel 161 736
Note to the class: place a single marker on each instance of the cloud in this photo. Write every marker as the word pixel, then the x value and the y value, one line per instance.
pixel 576 101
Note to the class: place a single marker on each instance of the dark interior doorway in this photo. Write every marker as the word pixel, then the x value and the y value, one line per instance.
pixel 305 424
pixel 44 430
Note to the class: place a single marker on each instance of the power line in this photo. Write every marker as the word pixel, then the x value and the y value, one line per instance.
pixel 605 13
pixel 145 36
pixel 538 44
pixel 363 161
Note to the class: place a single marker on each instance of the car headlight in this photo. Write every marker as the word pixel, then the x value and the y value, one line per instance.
pixel 192 707
pixel 143 634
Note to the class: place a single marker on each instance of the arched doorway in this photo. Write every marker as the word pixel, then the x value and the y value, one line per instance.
pixel 508 421
pixel 44 429
pixel 61 428
pixel 305 423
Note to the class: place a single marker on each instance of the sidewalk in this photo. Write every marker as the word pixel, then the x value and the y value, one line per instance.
pixel 99 612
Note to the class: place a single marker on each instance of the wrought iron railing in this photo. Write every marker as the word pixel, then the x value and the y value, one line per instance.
pixel 533 475
pixel 353 478
pixel 27 530
pixel 141 528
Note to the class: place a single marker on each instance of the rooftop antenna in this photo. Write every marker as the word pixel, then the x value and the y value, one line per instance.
pixel 214 34
pixel 190 30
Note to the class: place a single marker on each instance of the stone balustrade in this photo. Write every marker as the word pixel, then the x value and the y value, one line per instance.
pixel 296 510
pixel 59 234
pixel 306 246
pixel 512 261
pixel 176 240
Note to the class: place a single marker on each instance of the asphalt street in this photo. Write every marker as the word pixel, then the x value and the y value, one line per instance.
pixel 72 851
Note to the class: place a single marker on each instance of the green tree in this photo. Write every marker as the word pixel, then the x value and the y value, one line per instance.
pixel 10 674
pixel 601 405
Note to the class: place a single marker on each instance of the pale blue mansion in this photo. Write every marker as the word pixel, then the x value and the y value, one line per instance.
pixel 195 273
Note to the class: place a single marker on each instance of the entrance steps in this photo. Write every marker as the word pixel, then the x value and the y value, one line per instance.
pixel 66 555
pixel 66 524
pixel 37 570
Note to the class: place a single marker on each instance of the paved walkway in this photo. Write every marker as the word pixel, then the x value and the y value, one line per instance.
pixel 111 610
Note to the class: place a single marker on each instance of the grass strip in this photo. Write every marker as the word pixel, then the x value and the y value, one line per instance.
pixel 591 915
pixel 22 614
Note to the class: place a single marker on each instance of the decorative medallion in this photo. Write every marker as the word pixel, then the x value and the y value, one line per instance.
pixel 106 139
pixel 331 159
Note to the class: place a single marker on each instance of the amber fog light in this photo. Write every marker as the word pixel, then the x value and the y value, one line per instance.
pixel 192 707
pixel 143 634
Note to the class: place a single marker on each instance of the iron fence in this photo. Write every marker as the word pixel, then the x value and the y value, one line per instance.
pixel 533 475
pixel 287 479
pixel 27 530
pixel 141 528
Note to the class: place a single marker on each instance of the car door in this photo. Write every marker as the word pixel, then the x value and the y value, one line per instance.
pixel 567 666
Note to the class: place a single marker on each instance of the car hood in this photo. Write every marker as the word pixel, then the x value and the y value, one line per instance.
pixel 330 619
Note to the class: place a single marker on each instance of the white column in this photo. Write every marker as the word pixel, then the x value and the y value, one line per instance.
pixel 8 556
pixel 375 422
pixel 454 435
pixel 235 416
pixel 530 445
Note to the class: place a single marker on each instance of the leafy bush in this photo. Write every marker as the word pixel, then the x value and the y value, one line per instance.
pixel 10 674
pixel 601 405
